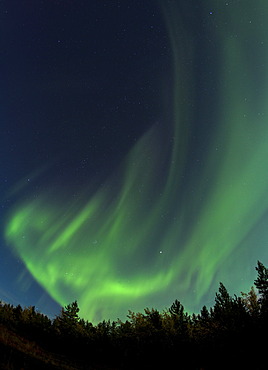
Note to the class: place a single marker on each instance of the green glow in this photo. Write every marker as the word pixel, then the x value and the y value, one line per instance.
pixel 143 235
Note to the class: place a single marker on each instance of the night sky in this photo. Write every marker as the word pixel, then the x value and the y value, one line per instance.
pixel 134 152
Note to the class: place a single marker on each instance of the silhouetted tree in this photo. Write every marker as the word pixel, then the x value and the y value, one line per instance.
pixel 228 331
pixel 66 322
pixel 18 313
pixel 181 320
pixel 223 299
pixel 204 315
pixel 70 312
pixel 251 302
pixel 176 308
pixel 261 284
pixel 154 317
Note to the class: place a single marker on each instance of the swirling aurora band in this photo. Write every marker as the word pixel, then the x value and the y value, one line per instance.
pixel 153 230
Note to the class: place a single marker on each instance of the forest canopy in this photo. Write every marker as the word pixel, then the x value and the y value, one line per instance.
pixel 229 331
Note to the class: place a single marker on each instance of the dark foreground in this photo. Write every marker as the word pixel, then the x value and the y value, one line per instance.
pixel 230 335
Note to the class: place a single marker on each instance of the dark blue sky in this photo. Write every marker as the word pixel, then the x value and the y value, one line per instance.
pixel 81 83
pixel 147 109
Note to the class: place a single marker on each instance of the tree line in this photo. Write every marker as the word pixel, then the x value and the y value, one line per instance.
pixel 230 335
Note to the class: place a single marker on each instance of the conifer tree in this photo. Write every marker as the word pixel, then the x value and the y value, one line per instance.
pixel 261 284
pixel 68 319
pixel 70 312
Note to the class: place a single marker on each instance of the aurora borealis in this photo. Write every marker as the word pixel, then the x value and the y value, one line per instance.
pixel 170 210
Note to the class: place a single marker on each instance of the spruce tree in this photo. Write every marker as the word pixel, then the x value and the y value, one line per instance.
pixel 261 284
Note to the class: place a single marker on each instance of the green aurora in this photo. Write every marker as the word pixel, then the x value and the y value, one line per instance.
pixel 155 231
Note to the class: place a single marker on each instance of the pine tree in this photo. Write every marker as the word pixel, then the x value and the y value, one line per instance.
pixel 261 284
pixel 67 321
pixel 223 298
pixel 251 303
pixel 70 313
pixel 222 311
pixel 180 319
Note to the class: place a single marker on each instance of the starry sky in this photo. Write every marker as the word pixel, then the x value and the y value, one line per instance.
pixel 134 152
